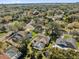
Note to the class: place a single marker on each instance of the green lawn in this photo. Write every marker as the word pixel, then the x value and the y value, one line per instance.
pixel 34 34
pixel 2 34
pixel 77 43
pixel 67 36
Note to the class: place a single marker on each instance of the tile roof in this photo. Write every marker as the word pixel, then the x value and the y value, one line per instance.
pixel 4 56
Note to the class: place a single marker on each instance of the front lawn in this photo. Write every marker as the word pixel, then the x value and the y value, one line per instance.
pixel 77 43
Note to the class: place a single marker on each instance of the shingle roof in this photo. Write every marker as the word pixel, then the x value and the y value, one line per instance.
pixel 13 52
pixel 71 43
pixel 60 41
pixel 42 38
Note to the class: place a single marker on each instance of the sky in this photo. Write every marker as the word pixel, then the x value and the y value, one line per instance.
pixel 37 1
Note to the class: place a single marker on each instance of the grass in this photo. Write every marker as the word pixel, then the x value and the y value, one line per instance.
pixel 34 34
pixel 29 44
pixel 2 34
pixel 67 36
pixel 77 43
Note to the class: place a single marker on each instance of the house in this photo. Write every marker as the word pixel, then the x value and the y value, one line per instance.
pixel 74 32
pixel 68 43
pixel 29 27
pixel 35 12
pixel 14 36
pixel 28 35
pixel 38 29
pixel 58 17
pixel 18 36
pixel 40 41
pixel 13 53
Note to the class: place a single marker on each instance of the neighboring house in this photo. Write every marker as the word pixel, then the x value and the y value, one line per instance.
pixel 14 36
pixel 36 12
pixel 13 53
pixel 38 29
pixel 29 27
pixel 57 46
pixel 20 35
pixel 74 32
pixel 68 43
pixel 28 35
pixel 40 41
pixel 58 17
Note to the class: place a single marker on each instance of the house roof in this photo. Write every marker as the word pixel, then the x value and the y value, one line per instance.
pixel 4 56
pixel 60 41
pixel 42 38
pixel 38 45
pixel 12 52
pixel 71 43
pixel 17 35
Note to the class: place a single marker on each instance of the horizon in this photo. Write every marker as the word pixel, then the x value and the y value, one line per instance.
pixel 36 1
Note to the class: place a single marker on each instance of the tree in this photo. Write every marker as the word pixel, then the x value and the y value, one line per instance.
pixel 15 26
